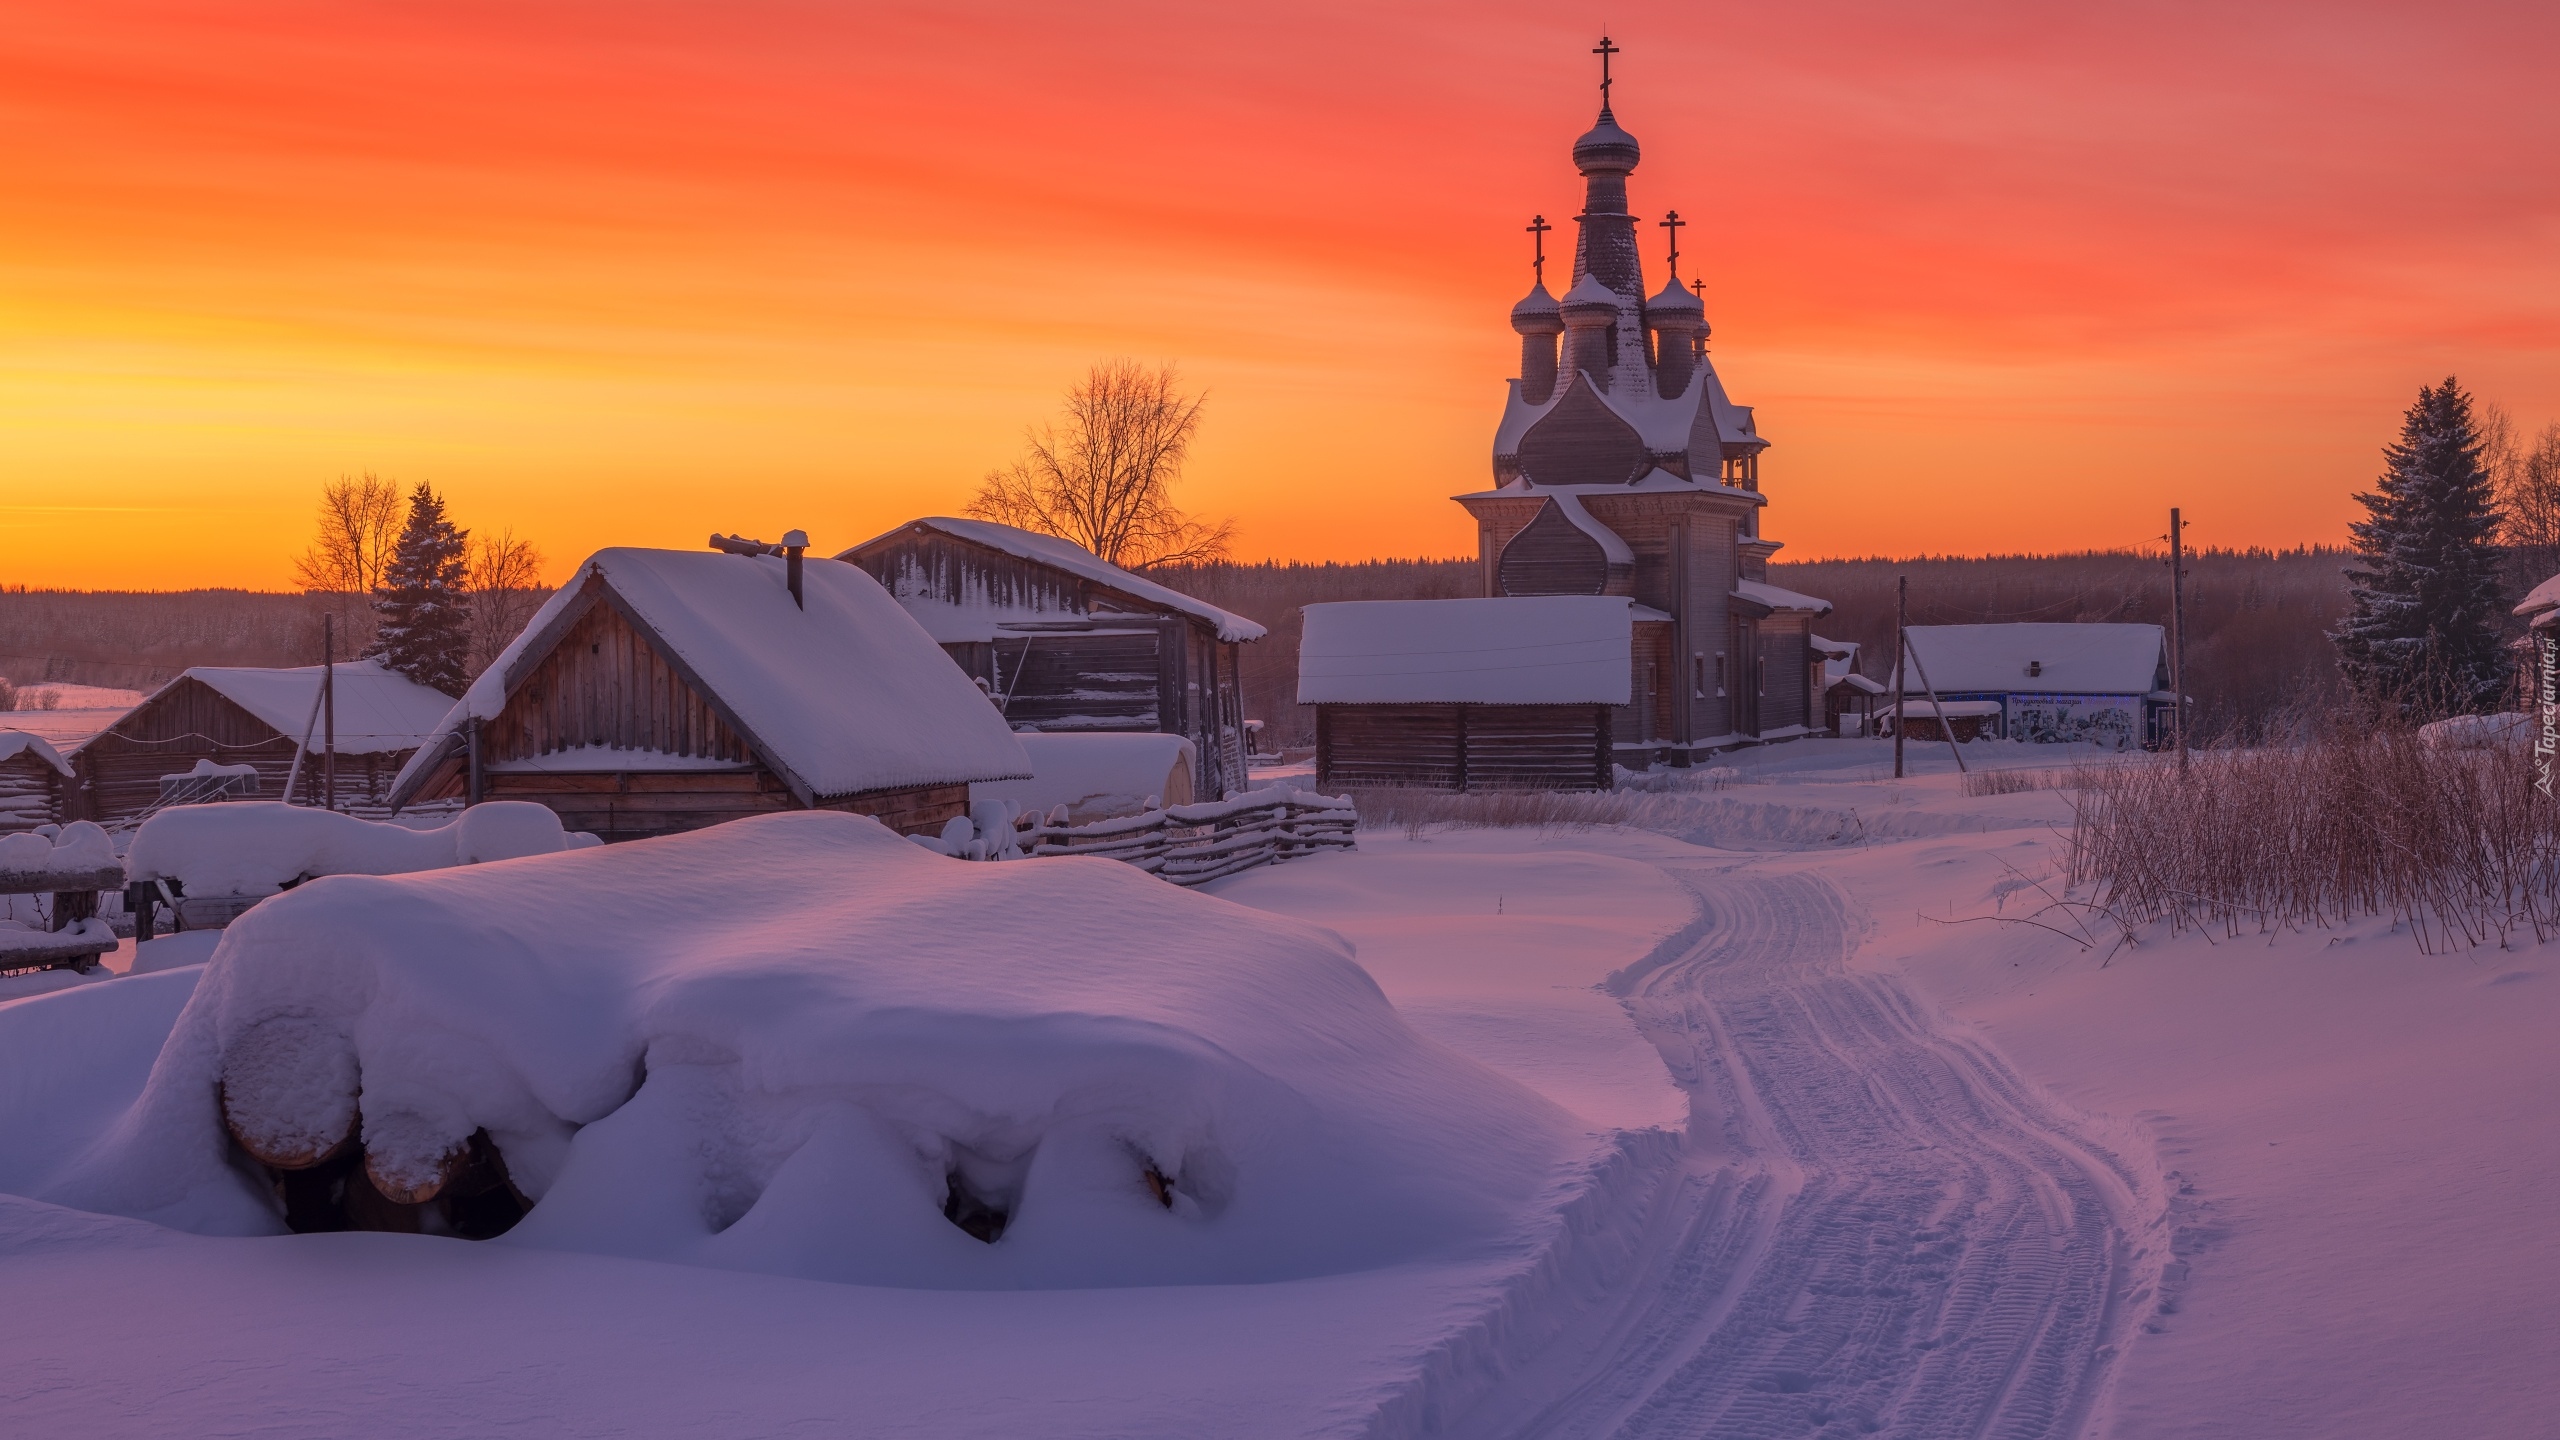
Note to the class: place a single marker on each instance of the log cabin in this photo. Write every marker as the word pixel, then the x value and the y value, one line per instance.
pixel 33 780
pixel 664 690
pixel 1498 694
pixel 1065 641
pixel 223 716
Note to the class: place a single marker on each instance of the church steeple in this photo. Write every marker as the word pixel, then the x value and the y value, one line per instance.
pixel 1605 155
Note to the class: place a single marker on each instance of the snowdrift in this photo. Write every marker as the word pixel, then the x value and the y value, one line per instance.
pixel 258 847
pixel 800 1044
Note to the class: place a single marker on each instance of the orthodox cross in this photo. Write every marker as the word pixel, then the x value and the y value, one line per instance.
pixel 1604 50
pixel 1538 228
pixel 1672 222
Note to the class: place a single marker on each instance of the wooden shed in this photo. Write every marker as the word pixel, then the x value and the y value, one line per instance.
pixel 1065 641
pixel 667 690
pixel 33 781
pixel 1501 694
pixel 225 716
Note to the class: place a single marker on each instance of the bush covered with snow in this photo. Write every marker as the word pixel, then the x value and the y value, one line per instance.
pixel 798 1043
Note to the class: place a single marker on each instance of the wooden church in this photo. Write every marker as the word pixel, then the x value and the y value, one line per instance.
pixel 1622 468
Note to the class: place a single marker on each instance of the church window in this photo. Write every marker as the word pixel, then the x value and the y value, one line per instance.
pixel 1698 676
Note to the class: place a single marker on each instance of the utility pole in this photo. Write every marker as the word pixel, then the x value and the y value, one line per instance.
pixel 2178 633
pixel 329 710
pixel 1901 613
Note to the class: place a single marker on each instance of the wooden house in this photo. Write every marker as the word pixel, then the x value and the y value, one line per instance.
pixel 1499 694
pixel 216 717
pixel 2102 684
pixel 1065 641
pixel 665 690
pixel 33 781
pixel 1848 698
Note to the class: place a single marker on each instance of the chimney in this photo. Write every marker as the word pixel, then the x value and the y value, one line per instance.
pixel 792 544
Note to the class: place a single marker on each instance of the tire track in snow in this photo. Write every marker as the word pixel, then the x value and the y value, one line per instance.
pixel 1878 1227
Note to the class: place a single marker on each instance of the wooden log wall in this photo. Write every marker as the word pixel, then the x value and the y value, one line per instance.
pixel 1464 747
pixel 30 793
pixel 635 805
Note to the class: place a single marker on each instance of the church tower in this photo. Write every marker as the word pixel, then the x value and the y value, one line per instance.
pixel 1621 467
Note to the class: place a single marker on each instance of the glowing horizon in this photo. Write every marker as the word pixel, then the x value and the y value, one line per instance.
pixel 1998 280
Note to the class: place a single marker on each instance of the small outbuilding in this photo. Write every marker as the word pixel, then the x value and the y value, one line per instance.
pixel 667 690
pixel 1063 640
pixel 215 719
pixel 2102 684
pixel 1515 693
pixel 1848 698
pixel 33 779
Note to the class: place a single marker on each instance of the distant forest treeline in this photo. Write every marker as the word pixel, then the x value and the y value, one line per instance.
pixel 2257 620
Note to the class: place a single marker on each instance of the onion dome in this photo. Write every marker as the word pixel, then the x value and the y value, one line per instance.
pixel 1591 301
pixel 1537 313
pixel 1674 302
pixel 1605 147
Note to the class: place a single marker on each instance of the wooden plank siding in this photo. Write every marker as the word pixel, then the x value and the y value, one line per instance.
pixel 1464 747
pixel 634 805
pixel 1116 662
pixel 119 769
pixel 606 684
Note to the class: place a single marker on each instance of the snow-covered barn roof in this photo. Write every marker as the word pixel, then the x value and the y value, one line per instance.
pixel 14 743
pixel 2066 659
pixel 844 696
pixel 379 711
pixel 1075 559
pixel 2541 605
pixel 1518 650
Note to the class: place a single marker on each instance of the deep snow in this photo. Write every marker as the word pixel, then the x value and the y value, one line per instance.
pixel 2322 1159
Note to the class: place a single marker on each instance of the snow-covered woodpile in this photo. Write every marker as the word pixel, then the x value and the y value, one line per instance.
pixel 1067 642
pixel 228 716
pixel 1506 694
pixel 799 1043
pixel 50 879
pixel 665 690
pixel 33 777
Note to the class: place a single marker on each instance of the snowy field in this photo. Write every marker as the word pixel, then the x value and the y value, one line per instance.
pixel 1750 1122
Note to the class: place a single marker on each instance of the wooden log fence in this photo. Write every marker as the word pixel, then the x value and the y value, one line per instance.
pixel 1193 844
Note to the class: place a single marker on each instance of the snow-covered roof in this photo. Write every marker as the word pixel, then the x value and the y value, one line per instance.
pixel 1068 556
pixel 2542 603
pixel 2069 659
pixel 844 696
pixel 379 710
pixel 1613 546
pixel 14 743
pixel 1519 650
pixel 1760 592
pixel 1078 770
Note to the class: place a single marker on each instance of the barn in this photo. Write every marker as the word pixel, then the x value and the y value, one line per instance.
pixel 219 718
pixel 1512 693
pixel 33 780
pixel 668 690
pixel 2103 684
pixel 1066 641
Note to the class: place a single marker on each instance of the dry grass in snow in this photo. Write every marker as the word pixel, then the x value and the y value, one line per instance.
pixel 2456 843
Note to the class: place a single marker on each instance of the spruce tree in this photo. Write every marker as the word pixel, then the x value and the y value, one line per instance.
pixel 2423 631
pixel 423 606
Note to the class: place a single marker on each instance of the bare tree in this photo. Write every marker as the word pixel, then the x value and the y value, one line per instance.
pixel 1103 477
pixel 2529 495
pixel 505 582
pixel 359 521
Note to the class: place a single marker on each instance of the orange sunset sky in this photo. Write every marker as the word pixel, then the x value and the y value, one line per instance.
pixel 1997 276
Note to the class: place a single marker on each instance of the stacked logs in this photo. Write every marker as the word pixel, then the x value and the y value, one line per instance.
pixel 324 1185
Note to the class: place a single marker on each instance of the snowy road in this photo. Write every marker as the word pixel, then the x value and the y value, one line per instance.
pixel 1879 1228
